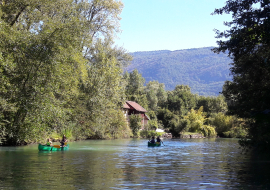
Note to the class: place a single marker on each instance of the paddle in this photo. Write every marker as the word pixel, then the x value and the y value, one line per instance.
pixel 56 146
pixel 163 143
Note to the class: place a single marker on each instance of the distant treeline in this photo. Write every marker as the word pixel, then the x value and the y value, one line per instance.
pixel 200 68
pixel 180 111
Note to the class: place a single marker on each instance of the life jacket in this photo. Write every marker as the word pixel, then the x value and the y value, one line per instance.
pixel 48 144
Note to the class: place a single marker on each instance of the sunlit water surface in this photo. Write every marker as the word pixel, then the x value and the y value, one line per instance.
pixel 130 164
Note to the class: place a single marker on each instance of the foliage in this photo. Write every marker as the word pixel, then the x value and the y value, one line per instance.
pixel 135 89
pixel 228 126
pixel 156 94
pixel 153 122
pixel 212 104
pixel 135 124
pixel 201 69
pixel 58 66
pixel 181 100
pixel 165 116
pixel 101 95
pixel 258 132
pixel 149 134
pixel 248 46
pixel 196 120
pixel 179 126
pixel 236 132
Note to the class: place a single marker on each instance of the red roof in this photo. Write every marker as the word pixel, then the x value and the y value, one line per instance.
pixel 146 117
pixel 126 106
pixel 135 106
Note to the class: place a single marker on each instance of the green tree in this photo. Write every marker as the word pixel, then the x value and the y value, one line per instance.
pixel 165 116
pixel 212 104
pixel 248 46
pixel 227 125
pixel 156 94
pixel 161 94
pixel 196 123
pixel 135 88
pixel 135 121
pixel 101 94
pixel 46 48
pixel 181 100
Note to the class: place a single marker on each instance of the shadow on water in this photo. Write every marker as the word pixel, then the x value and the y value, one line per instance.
pixel 130 164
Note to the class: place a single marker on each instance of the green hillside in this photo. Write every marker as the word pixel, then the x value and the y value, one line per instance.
pixel 200 68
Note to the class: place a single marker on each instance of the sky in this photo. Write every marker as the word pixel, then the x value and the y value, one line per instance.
pixel 149 25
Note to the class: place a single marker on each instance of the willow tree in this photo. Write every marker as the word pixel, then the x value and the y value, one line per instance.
pixel 45 51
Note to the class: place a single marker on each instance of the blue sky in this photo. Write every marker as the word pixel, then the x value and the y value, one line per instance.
pixel 149 25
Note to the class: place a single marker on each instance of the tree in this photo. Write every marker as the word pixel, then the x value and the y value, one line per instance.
pixel 212 104
pixel 156 94
pixel 228 125
pixel 196 123
pixel 181 100
pixel 151 94
pixel 101 94
pixel 249 47
pixel 161 95
pixel 46 48
pixel 135 88
pixel 135 121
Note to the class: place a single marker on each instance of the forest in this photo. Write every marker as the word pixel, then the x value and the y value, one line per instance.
pixel 180 111
pixel 60 73
pixel 200 68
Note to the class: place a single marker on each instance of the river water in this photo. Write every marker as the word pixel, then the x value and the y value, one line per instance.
pixel 130 164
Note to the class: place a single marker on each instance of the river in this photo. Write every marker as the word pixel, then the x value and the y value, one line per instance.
pixel 130 164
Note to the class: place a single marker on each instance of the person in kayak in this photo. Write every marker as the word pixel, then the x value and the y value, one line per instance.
pixel 158 140
pixel 153 140
pixel 63 141
pixel 49 142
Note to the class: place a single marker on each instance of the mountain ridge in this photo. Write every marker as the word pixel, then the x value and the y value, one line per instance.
pixel 200 68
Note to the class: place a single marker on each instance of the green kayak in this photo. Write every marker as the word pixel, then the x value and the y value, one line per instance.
pixel 154 144
pixel 52 148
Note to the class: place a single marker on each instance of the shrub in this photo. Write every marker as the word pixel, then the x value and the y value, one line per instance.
pixel 149 134
pixel 135 124
pixel 228 126
pixel 208 131
pixel 236 132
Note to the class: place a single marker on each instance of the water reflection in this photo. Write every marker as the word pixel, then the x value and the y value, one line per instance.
pixel 130 164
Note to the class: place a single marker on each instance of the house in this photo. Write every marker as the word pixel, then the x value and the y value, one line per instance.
pixel 131 107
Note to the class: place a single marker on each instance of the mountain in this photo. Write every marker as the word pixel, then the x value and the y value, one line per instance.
pixel 200 68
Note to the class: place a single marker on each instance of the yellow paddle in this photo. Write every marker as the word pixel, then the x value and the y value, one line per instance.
pixel 56 146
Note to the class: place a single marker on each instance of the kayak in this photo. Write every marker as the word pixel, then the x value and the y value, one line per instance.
pixel 52 148
pixel 154 144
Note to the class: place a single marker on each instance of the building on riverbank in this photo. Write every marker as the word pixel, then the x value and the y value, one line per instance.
pixel 131 107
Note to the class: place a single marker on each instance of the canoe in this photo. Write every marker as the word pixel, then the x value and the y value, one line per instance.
pixel 154 144
pixel 51 148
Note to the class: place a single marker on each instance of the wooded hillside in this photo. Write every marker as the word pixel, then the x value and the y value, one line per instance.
pixel 200 68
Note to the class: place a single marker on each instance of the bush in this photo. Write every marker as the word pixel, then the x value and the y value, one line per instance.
pixel 208 131
pixel 236 132
pixel 135 124
pixel 228 126
pixel 149 134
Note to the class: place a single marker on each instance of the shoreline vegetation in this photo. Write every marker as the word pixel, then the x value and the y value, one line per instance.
pixel 60 73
